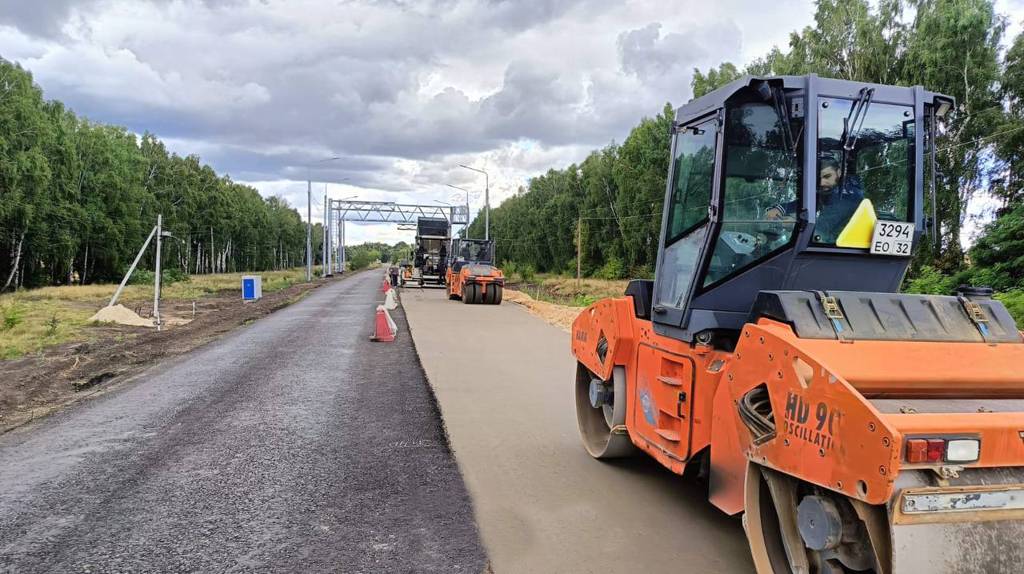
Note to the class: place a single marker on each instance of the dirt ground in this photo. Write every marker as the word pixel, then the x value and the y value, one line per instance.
pixel 560 316
pixel 35 385
pixel 558 300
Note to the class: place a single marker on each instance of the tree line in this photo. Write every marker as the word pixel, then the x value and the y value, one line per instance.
pixel 611 202
pixel 364 254
pixel 78 198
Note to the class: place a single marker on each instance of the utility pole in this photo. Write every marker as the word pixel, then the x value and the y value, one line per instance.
pixel 579 250
pixel 156 286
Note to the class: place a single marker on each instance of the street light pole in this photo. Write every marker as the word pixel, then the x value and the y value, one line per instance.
pixel 487 199
pixel 309 228
pixel 326 258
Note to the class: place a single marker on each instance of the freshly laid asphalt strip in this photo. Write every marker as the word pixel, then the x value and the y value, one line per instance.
pixel 291 445
pixel 504 380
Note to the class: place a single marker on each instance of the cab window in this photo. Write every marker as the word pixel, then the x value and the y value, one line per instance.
pixel 760 191
pixel 865 163
pixel 693 175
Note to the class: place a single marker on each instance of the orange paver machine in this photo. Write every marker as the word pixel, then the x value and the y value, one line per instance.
pixel 472 275
pixel 856 428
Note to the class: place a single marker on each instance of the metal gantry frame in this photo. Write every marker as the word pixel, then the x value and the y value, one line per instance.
pixel 342 210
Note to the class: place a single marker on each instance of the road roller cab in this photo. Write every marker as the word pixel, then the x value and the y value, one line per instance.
pixel 857 429
pixel 472 276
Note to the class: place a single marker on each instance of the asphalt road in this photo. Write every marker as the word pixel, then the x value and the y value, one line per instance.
pixel 291 445
pixel 504 381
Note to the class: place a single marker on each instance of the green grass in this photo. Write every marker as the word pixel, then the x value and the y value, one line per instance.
pixel 42 322
pixel 565 290
pixel 1014 302
pixel 31 320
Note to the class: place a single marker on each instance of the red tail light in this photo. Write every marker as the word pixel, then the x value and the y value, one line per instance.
pixel 917 450
pixel 937 450
pixel 922 451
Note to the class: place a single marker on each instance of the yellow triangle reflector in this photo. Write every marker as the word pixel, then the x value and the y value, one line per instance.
pixel 860 228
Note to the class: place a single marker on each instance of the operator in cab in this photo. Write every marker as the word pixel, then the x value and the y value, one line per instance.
pixel 837 200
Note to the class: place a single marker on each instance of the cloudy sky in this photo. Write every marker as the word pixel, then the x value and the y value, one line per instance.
pixel 402 91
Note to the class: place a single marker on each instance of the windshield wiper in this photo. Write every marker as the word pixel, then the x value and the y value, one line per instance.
pixel 779 97
pixel 854 121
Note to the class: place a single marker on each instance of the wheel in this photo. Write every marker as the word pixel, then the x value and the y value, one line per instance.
pixel 478 294
pixel 469 294
pixel 492 294
pixel 602 427
pixel 498 293
pixel 793 526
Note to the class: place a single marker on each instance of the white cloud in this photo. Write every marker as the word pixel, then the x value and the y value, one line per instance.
pixel 402 92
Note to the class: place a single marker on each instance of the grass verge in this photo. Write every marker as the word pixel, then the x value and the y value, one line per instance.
pixel 567 291
pixel 31 320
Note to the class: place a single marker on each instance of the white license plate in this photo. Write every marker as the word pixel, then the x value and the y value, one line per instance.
pixel 892 238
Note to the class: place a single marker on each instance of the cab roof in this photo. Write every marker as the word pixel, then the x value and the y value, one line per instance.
pixel 812 83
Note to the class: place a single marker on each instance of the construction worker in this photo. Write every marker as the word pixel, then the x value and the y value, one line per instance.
pixel 393 272
pixel 442 257
pixel 838 198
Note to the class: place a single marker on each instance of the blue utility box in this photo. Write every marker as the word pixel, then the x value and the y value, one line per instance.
pixel 252 287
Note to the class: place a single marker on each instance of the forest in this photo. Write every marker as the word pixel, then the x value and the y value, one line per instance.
pixel 78 199
pixel 364 254
pixel 611 201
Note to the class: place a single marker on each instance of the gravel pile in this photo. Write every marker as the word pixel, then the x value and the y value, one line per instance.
pixel 121 315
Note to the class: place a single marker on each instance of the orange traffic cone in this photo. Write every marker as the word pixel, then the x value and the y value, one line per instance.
pixel 386 286
pixel 384 327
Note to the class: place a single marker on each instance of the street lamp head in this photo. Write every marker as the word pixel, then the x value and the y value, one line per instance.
pixel 473 168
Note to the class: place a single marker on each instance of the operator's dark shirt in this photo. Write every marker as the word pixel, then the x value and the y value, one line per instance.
pixel 835 209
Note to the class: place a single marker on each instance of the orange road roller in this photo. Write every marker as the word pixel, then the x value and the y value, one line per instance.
pixel 472 276
pixel 855 428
